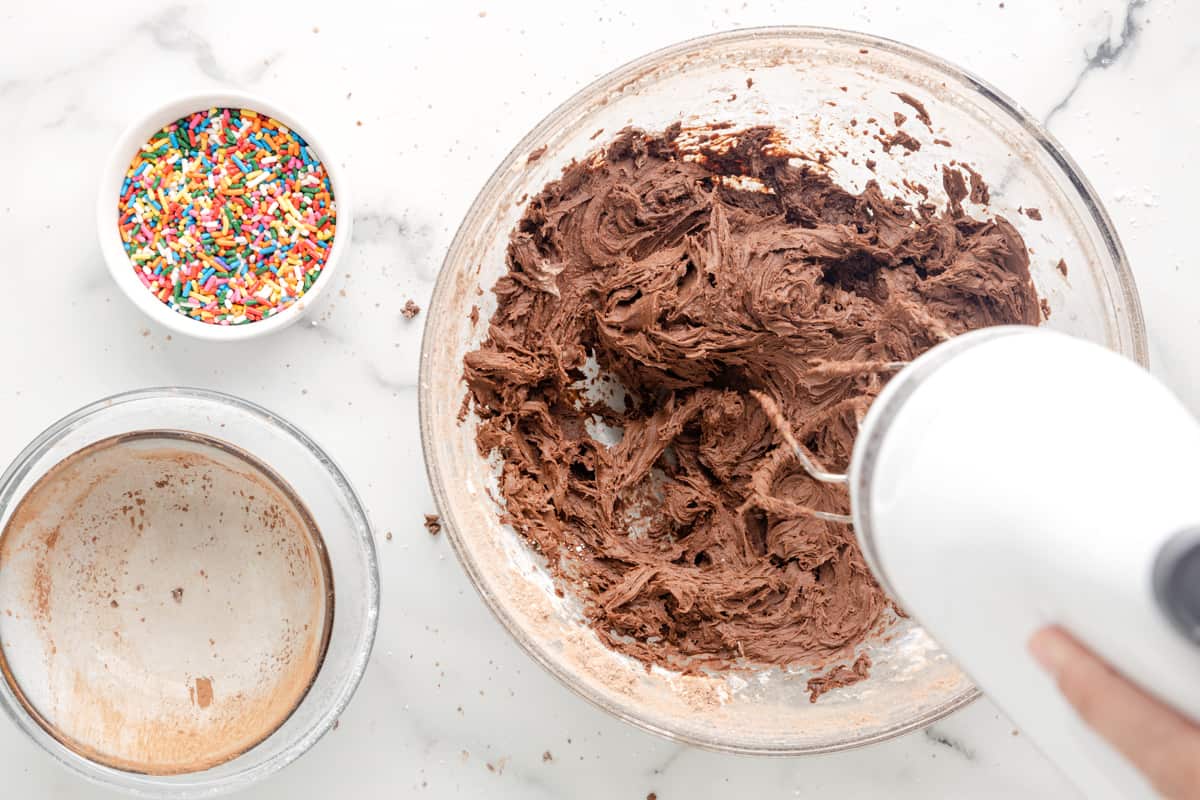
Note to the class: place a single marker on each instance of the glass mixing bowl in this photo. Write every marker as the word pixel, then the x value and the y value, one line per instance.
pixel 821 88
pixel 345 532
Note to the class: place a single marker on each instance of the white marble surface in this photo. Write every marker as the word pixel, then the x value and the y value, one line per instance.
pixel 423 102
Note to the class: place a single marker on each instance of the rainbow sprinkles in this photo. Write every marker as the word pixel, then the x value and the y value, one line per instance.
pixel 227 216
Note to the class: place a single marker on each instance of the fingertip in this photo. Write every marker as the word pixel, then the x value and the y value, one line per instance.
pixel 1051 648
pixel 1154 737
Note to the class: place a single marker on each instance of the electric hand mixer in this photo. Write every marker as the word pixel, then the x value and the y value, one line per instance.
pixel 1014 477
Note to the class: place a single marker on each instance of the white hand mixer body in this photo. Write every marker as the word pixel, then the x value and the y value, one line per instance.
pixel 1015 477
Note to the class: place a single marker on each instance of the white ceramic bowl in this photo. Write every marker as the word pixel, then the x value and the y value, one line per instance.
pixel 110 238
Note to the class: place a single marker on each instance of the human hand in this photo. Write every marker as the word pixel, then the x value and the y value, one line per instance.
pixel 1162 743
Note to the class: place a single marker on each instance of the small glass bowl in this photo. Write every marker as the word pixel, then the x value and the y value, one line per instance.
pixel 118 261
pixel 821 88
pixel 334 507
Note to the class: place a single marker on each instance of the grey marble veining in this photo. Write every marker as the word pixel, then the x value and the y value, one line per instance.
pixel 1104 54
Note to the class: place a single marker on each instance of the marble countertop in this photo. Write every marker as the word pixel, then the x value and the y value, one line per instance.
pixel 424 101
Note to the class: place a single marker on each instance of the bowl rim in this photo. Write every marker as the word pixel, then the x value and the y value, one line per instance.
pixel 1049 145
pixel 193 785
pixel 108 195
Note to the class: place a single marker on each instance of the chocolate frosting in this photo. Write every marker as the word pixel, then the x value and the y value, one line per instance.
pixel 840 676
pixel 694 277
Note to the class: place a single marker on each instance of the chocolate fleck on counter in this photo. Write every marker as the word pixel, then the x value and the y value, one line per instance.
pixel 433 524
pixel 690 540
pixel 410 310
